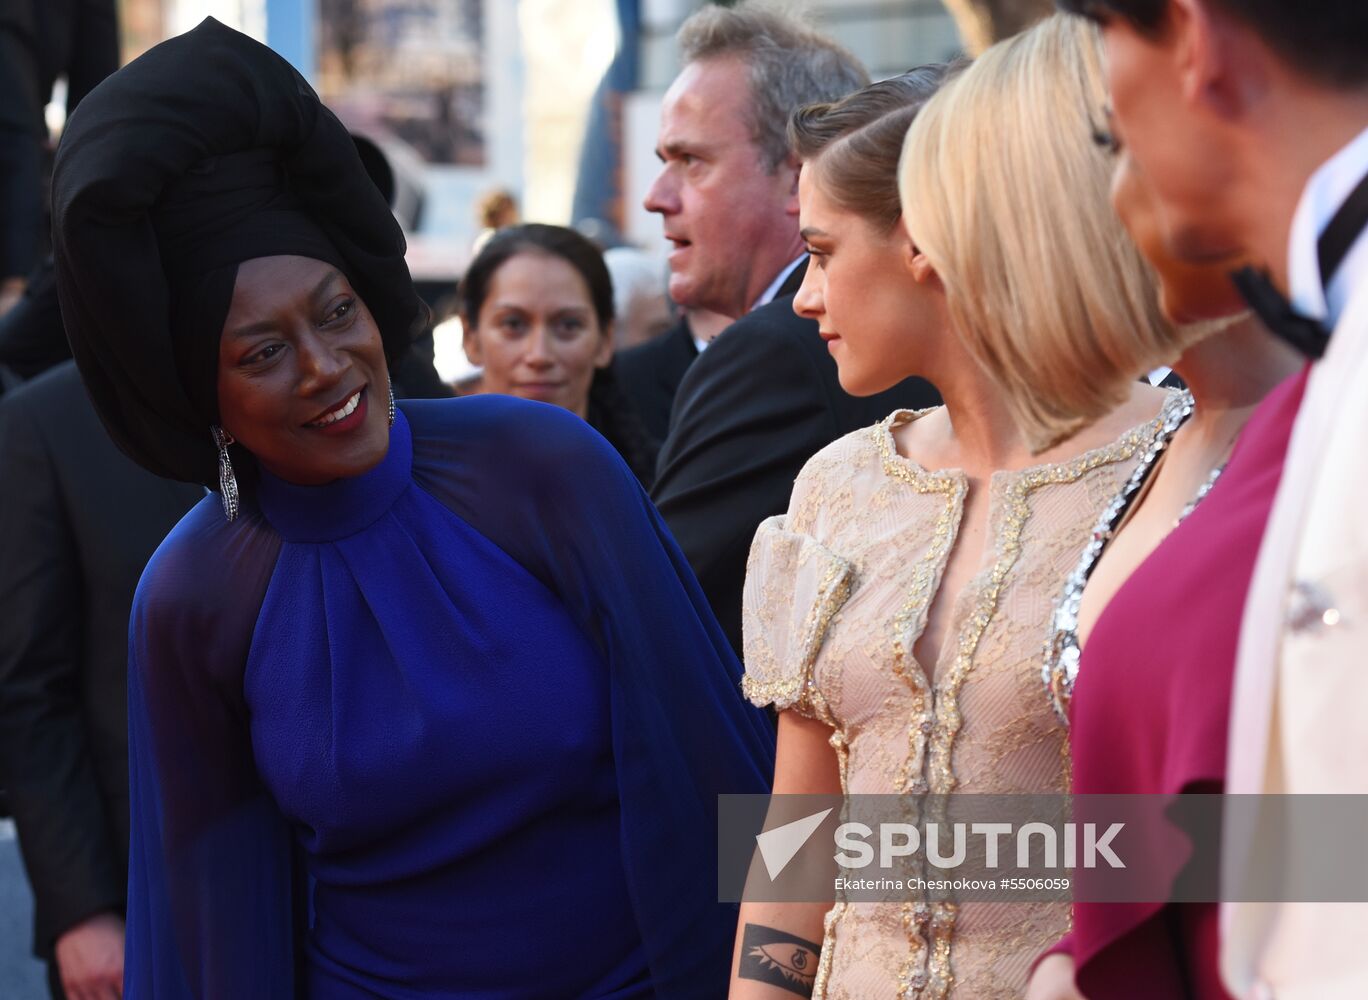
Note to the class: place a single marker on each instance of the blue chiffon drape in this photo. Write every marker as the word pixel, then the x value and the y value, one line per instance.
pixel 473 700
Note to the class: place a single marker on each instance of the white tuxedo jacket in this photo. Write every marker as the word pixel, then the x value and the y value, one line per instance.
pixel 1299 719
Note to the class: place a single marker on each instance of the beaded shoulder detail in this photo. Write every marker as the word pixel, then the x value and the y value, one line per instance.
pixel 794 587
pixel 1062 652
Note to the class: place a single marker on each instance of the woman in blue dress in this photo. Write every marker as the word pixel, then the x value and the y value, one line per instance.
pixel 425 703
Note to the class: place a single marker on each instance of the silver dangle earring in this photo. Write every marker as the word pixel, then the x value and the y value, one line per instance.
pixel 391 404
pixel 228 488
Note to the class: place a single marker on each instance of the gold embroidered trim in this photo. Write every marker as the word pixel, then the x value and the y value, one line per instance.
pixel 840 742
pixel 940 734
pixel 819 982
pixel 1015 513
pixel 910 622
pixel 766 681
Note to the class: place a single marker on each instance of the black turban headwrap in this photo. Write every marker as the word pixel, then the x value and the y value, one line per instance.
pixel 207 151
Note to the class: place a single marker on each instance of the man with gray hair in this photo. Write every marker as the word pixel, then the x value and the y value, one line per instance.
pixel 728 189
pixel 764 396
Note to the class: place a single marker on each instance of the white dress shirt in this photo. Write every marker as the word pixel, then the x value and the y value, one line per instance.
pixel 1327 190
pixel 766 297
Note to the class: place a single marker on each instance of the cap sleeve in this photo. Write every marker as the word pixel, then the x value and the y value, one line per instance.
pixel 794 586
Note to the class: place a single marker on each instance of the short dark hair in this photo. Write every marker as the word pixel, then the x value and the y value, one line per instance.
pixel 860 138
pixel 554 241
pixel 1325 40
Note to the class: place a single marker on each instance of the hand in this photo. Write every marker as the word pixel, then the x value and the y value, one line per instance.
pixel 1053 979
pixel 90 959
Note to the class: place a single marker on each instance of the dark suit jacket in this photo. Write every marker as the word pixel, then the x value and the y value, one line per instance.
pixel 39 41
pixel 756 405
pixel 649 374
pixel 78 521
pixel 78 39
pixel 31 336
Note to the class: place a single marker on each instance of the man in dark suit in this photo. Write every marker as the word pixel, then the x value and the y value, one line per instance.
pixel 41 40
pixel 31 337
pixel 650 373
pixel 78 522
pixel 21 150
pixel 764 396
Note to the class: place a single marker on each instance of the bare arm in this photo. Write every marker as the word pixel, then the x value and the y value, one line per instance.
pixel 778 944
pixel 1053 979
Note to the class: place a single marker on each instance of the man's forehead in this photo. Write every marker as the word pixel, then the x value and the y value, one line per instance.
pixel 709 98
pixel 713 81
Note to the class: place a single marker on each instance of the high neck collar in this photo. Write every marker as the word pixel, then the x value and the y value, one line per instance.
pixel 344 506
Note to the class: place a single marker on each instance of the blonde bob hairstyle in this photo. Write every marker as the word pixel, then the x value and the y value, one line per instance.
pixel 1005 190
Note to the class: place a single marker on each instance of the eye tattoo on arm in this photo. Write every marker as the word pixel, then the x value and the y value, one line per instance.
pixel 778 958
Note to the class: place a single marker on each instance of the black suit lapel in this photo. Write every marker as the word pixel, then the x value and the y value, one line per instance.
pixel 683 347
pixel 677 353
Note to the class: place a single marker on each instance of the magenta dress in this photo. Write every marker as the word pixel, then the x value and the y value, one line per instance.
pixel 1151 707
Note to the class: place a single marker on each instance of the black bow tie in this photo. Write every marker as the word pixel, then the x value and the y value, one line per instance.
pixel 1309 336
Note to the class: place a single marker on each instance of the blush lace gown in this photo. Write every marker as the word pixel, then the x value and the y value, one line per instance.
pixel 837 593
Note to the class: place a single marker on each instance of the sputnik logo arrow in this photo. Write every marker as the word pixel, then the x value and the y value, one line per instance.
pixel 778 846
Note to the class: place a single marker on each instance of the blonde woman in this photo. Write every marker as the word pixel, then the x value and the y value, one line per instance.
pixel 1176 546
pixel 895 615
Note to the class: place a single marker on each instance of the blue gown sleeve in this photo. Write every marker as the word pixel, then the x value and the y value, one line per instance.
pixel 541 484
pixel 211 907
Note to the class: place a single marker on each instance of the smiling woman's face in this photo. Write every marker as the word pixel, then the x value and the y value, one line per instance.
pixel 537 335
pixel 302 379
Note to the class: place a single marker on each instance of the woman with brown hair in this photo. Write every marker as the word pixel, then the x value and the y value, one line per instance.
pixel 537 312
pixel 895 615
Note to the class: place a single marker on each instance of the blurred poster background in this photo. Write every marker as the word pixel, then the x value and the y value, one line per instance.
pixel 407 71
pixel 554 101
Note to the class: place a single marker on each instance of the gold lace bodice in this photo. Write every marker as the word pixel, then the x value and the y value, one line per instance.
pixel 837 593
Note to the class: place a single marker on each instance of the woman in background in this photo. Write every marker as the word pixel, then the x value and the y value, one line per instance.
pixel 896 614
pixel 537 310
pixel 496 209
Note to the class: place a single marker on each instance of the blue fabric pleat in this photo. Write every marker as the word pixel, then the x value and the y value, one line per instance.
pixel 476 690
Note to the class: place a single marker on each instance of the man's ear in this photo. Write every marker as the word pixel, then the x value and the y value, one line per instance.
pixel 790 169
pixel 1212 57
